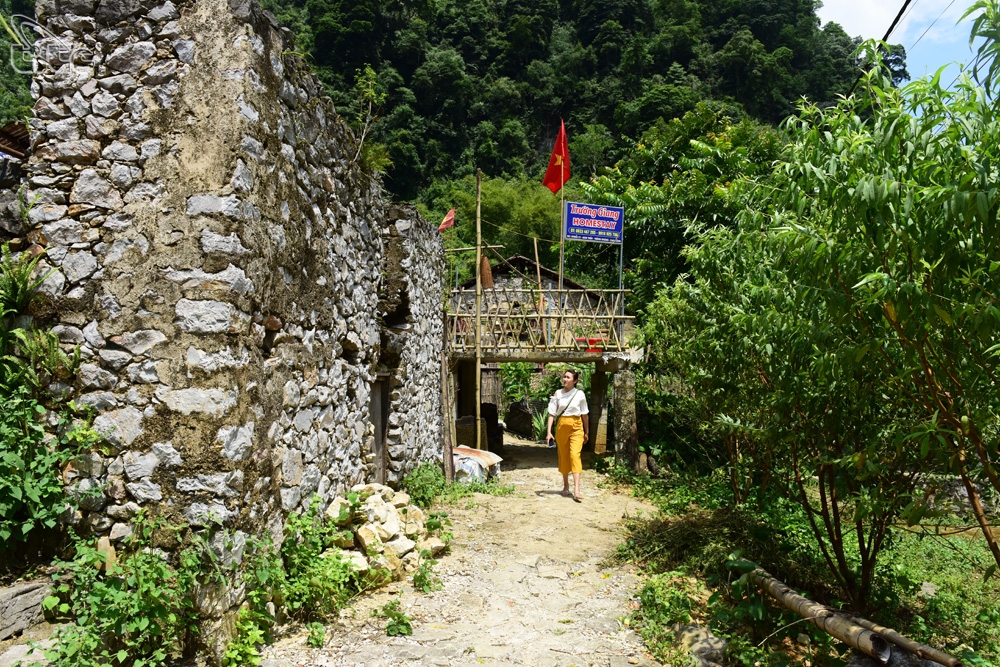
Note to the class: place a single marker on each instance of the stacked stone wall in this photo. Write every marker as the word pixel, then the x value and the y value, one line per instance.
pixel 218 259
pixel 412 309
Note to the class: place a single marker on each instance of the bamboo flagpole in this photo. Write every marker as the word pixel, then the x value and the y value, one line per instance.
pixel 479 308
pixel 555 178
pixel 562 219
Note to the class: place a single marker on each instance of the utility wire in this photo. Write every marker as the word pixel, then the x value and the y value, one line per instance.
pixel 910 10
pixel 899 16
pixel 930 26
pixel 511 231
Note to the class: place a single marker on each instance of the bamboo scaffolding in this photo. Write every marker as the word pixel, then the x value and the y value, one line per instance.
pixel 859 633
pixel 519 319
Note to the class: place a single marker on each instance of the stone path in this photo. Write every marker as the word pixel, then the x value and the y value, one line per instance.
pixel 523 585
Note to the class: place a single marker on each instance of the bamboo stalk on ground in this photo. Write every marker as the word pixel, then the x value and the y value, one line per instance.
pixel 919 650
pixel 824 618
pixel 859 633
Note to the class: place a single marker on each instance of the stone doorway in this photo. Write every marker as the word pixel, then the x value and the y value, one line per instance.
pixel 380 418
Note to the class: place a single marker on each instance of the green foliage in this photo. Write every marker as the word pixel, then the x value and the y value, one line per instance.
pixel 243 648
pixel 663 601
pixel 513 211
pixel 319 581
pixel 836 338
pixel 15 93
pixel 18 282
pixel 478 83
pixel 515 381
pixel 424 483
pixel 31 490
pixel 438 522
pixel 137 613
pixel 540 424
pixel 424 578
pixel 679 171
pixel 317 635
pixel 265 578
pixel 31 493
pixel 398 622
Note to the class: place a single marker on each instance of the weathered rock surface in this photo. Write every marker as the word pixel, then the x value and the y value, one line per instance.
pixel 21 607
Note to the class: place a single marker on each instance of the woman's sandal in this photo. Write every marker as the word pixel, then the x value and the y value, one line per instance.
pixel 578 499
pixel 565 493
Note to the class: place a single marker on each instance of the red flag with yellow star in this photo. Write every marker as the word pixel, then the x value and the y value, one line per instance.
pixel 558 172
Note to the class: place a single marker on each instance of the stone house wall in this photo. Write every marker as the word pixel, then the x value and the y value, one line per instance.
pixel 218 258
pixel 412 309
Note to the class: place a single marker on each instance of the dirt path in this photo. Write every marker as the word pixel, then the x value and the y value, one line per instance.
pixel 523 585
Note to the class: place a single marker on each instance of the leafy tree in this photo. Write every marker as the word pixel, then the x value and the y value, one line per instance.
pixel 480 84
pixel 837 339
pixel 678 172
pixel 15 96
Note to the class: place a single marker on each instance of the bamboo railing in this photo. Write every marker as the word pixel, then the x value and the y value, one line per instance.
pixel 519 319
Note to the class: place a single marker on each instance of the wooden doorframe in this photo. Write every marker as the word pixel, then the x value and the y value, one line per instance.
pixel 379 414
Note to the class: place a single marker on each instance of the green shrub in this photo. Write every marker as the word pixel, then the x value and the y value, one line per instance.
pixel 399 623
pixel 264 574
pixel 317 635
pixel 319 581
pixel 31 491
pixel 425 483
pixel 424 578
pixel 18 284
pixel 137 613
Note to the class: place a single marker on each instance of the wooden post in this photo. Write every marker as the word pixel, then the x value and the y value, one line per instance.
pixel 479 309
pixel 453 390
pixel 598 397
pixel 626 431
pixel 541 295
pixel 447 409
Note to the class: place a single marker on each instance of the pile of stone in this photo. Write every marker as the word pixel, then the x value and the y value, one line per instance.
pixel 383 532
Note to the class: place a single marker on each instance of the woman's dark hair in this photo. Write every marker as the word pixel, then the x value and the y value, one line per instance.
pixel 575 374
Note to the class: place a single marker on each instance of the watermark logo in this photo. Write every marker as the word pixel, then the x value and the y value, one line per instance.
pixel 31 42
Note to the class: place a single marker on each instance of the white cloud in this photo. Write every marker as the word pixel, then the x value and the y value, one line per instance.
pixel 871 19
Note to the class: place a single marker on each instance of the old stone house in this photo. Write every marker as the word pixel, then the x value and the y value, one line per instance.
pixel 258 325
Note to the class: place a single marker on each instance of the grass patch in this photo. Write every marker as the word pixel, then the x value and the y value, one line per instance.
pixel 691 550
pixel 426 485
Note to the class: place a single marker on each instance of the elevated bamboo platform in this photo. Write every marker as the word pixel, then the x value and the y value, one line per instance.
pixel 551 325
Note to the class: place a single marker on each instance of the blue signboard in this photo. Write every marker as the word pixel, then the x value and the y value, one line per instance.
pixel 594 223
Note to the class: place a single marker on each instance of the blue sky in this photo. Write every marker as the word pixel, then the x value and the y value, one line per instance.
pixel 943 43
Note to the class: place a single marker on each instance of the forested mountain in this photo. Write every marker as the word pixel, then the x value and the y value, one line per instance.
pixel 484 82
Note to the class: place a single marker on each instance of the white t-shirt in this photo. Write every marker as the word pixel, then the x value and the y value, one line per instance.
pixel 574 401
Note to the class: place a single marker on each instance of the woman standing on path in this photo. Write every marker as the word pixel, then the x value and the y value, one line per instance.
pixel 568 407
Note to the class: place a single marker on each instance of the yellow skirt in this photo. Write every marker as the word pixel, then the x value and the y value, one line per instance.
pixel 569 443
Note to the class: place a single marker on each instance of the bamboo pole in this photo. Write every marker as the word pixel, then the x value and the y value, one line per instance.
pixel 919 650
pixel 479 308
pixel 449 419
pixel 859 633
pixel 824 618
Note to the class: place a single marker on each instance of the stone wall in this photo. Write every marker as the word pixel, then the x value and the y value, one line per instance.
pixel 218 258
pixel 412 310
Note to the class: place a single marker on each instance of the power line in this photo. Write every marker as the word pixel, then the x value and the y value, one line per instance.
pixel 910 10
pixel 899 16
pixel 902 10
pixel 511 231
pixel 930 26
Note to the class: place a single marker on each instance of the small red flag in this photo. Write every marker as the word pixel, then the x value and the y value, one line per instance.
pixel 558 172
pixel 449 221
